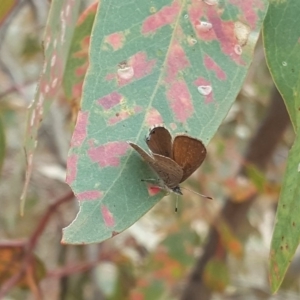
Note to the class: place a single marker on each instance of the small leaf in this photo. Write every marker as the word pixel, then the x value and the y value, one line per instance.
pixel 216 275
pixel 256 176
pixel 78 60
pixel 286 234
pixel 229 241
pixel 58 35
pixel 281 40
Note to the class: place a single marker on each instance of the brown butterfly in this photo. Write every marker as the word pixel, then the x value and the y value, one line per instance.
pixel 173 161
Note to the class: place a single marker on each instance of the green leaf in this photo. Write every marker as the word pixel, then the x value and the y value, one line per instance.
pixel 179 251
pixel 77 63
pixel 286 234
pixel 281 40
pixel 173 62
pixel 216 275
pixel 282 47
pixel 256 176
pixel 58 35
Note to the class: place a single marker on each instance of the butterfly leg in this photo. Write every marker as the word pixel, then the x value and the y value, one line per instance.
pixel 151 180
pixel 176 205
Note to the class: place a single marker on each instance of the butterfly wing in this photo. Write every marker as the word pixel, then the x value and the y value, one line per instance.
pixel 167 169
pixel 188 153
pixel 159 141
pixel 148 158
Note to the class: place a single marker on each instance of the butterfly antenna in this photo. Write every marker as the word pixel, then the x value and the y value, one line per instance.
pixel 176 205
pixel 203 196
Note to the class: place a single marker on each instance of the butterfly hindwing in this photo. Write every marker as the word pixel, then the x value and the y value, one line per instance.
pixel 188 153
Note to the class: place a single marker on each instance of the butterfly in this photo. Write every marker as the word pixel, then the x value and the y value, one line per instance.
pixel 173 160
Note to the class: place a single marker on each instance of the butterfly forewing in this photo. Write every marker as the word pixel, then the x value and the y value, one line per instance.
pixel 188 153
pixel 159 141
pixel 167 169
pixel 141 152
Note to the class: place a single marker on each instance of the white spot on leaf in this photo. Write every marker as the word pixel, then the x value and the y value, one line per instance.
pixel 204 89
pixel 204 26
pixel 241 32
pixel 211 2
pixel 126 72
pixel 53 60
pixel 54 82
pixel 47 88
pixel 238 49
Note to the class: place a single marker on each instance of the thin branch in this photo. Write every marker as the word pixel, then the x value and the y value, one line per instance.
pixel 30 245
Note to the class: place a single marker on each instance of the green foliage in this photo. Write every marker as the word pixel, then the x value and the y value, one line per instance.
pixel 216 275
pixel 78 59
pixel 177 63
pixel 281 40
pixel 58 35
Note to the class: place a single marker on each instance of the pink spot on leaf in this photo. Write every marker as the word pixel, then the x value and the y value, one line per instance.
pixel 91 10
pixel 89 195
pixel 80 129
pixel 110 100
pixel 77 90
pixel 140 66
pixel 110 76
pixel 107 216
pixel 108 154
pixel 153 190
pixel 72 168
pixel 203 82
pixel 181 103
pixel 177 61
pixel 166 16
pixel 173 126
pixel 225 34
pixel 210 64
pixel 83 52
pixel 123 115
pixel 81 70
pixel 197 15
pixel 222 31
pixel 116 40
pixel 136 67
pixel 249 10
pixel 153 117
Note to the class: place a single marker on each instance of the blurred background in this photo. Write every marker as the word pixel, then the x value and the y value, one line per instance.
pixel 207 250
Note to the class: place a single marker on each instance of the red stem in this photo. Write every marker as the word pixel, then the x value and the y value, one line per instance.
pixel 32 242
